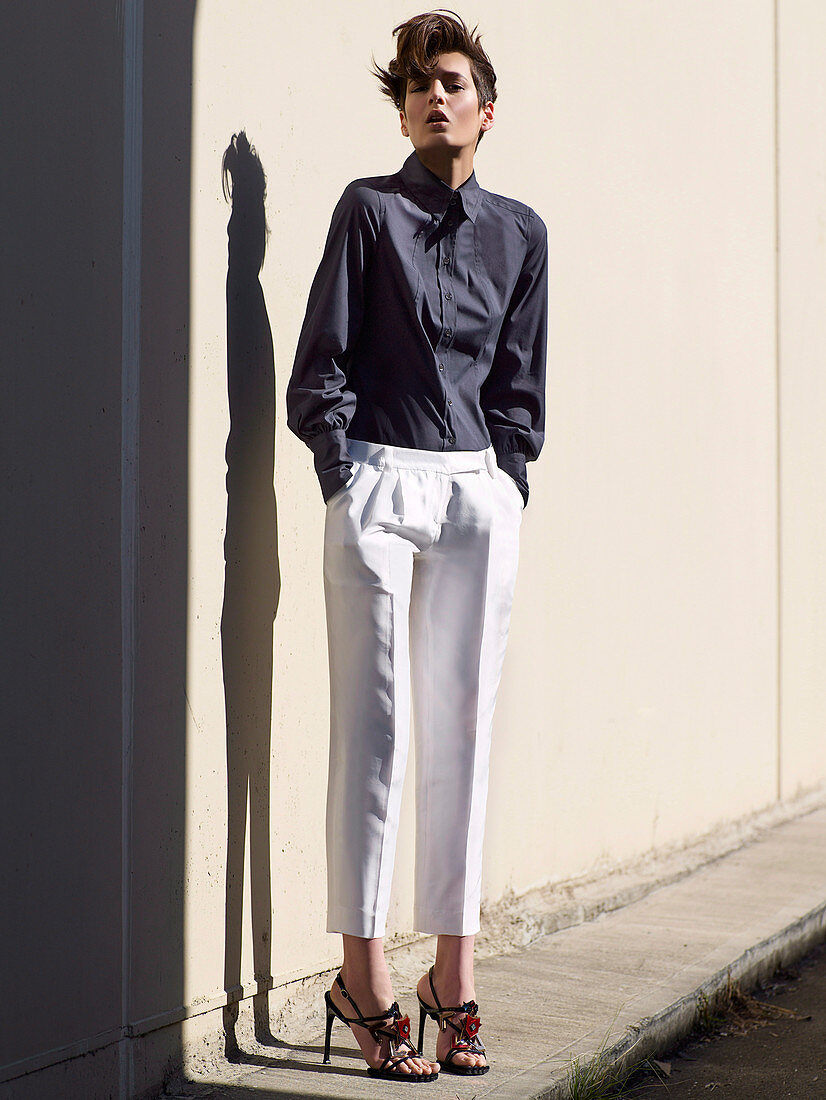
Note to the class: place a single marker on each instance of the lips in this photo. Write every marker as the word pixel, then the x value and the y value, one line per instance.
pixel 436 116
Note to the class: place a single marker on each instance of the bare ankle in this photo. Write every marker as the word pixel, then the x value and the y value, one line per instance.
pixel 451 988
pixel 368 985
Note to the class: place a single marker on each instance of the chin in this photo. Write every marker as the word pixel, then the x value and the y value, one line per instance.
pixel 439 141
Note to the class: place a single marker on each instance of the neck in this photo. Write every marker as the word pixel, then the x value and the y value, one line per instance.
pixel 452 168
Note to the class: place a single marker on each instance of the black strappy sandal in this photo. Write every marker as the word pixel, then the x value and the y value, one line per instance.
pixel 467 1033
pixel 398 1032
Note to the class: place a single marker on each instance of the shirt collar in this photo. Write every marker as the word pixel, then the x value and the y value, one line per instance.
pixel 434 194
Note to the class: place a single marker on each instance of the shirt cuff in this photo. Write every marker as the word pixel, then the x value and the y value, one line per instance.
pixel 332 461
pixel 514 465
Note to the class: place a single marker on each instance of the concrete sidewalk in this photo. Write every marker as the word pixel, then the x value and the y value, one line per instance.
pixel 627 981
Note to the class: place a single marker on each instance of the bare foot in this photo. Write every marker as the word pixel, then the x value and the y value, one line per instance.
pixel 449 994
pixel 373 1000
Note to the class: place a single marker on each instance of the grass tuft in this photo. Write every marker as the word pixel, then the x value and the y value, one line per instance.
pixel 596 1077
pixel 735 1011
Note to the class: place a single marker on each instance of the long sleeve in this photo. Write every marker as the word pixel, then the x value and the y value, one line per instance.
pixel 513 394
pixel 319 404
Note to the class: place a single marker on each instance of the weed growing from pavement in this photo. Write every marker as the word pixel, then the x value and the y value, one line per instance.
pixel 596 1077
pixel 732 1011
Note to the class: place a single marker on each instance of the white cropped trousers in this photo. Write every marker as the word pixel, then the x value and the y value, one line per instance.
pixel 420 557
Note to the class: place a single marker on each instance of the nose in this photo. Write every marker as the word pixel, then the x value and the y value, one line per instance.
pixel 437 92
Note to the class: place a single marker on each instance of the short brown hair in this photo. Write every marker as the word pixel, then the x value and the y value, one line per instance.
pixel 421 40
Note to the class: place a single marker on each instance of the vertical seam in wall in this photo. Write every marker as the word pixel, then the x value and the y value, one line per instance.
pixel 778 420
pixel 130 392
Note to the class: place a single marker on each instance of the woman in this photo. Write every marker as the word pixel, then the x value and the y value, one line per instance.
pixel 419 385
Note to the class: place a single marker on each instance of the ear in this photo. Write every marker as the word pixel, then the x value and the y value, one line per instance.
pixel 403 121
pixel 486 120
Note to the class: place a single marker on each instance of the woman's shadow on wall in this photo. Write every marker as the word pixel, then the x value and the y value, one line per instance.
pixel 252 583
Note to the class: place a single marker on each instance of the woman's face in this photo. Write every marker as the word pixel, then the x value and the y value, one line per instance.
pixel 443 110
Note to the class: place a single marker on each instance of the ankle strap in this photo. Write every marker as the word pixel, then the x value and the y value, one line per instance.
pixel 393 1011
pixel 470 1008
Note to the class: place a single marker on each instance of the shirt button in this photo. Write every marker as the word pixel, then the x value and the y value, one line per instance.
pixel 446 260
pixel 449 401
pixel 448 296
pixel 448 332
pixel 451 439
pixel 441 366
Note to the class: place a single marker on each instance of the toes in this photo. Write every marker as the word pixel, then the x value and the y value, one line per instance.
pixel 465 1058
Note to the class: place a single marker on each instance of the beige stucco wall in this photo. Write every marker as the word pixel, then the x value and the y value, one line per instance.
pixel 802 406
pixel 667 639
pixel 642 683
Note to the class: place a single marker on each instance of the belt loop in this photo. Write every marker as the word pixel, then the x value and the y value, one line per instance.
pixel 490 461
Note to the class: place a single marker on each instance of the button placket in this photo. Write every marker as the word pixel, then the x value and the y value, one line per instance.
pixel 444 277
pixel 443 281
pixel 444 238
pixel 444 270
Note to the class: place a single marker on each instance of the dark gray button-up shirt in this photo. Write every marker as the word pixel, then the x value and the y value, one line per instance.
pixel 425 327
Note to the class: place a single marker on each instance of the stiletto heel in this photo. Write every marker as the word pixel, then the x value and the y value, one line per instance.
pixel 331 1015
pixel 396 1029
pixel 466 1039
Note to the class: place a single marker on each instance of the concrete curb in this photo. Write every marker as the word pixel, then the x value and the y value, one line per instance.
pixel 656 1034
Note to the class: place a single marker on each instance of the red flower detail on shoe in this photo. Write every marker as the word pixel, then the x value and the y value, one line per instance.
pixel 472 1025
pixel 404 1028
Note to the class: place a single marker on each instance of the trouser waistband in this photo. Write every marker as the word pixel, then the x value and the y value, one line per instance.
pixel 410 458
